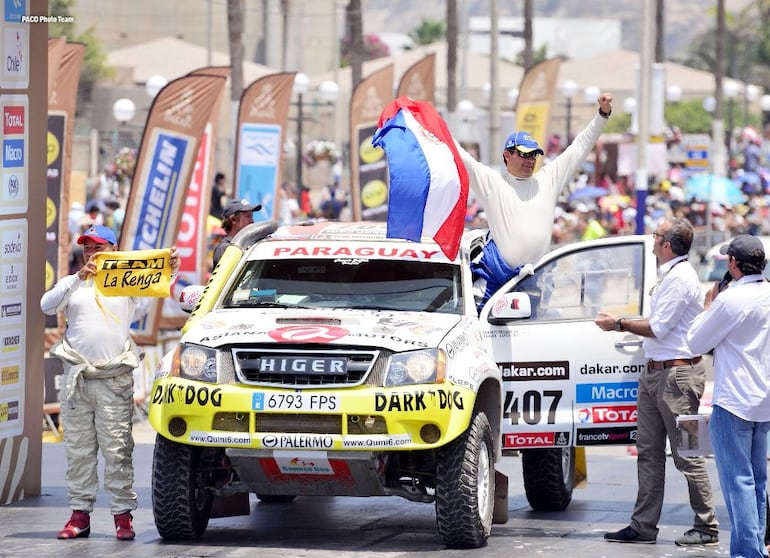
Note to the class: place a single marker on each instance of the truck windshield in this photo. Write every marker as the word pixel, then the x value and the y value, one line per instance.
pixel 348 283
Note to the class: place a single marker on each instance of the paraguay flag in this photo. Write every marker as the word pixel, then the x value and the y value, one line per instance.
pixel 428 180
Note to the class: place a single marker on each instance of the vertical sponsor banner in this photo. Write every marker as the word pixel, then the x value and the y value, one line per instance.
pixel 164 167
pixel 13 311
pixel 15 48
pixel 262 116
pixel 55 52
pixel 55 139
pixel 368 166
pixel 23 94
pixel 533 107
pixel 14 196
pixel 192 240
pixel 62 100
pixel 208 177
pixel 419 81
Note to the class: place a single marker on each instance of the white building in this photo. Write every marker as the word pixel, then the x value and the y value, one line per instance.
pixel 569 37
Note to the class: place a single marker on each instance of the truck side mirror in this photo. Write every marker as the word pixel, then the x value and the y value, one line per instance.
pixel 190 296
pixel 511 306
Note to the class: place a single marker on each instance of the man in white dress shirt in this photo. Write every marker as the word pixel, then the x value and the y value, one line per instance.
pixel 736 324
pixel 672 385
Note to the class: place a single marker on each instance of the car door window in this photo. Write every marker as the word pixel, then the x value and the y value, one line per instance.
pixel 577 285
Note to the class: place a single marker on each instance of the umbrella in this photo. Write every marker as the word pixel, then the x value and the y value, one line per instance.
pixel 713 188
pixel 588 192
pixel 751 178
pixel 606 202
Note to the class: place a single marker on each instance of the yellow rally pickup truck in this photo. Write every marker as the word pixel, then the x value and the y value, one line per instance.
pixel 325 359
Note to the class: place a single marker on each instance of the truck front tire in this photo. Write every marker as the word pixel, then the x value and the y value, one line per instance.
pixel 465 486
pixel 181 503
pixel 549 476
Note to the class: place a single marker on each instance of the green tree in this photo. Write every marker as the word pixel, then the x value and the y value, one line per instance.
pixel 95 59
pixel 428 32
pixel 689 116
pixel 538 56
pixel 747 45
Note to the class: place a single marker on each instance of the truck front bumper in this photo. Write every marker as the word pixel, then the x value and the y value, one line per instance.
pixel 363 418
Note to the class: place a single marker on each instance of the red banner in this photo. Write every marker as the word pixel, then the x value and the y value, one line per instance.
pixel 192 241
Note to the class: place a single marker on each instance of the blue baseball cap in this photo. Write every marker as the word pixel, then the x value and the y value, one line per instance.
pixel 523 142
pixel 99 234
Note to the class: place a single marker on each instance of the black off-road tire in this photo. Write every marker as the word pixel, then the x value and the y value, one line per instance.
pixel 549 477
pixel 180 504
pixel 275 498
pixel 465 486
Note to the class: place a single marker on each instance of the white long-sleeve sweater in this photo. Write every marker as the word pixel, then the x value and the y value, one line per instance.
pixel 96 330
pixel 520 210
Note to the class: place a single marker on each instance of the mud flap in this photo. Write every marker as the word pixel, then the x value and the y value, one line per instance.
pixel 581 469
pixel 229 506
pixel 500 511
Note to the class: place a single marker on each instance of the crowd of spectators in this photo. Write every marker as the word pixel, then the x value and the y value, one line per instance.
pixel 609 206
pixel 588 209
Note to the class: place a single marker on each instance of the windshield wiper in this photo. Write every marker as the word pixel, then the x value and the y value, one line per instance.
pixel 371 307
pixel 264 304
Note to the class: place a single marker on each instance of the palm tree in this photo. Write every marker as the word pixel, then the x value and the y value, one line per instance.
pixel 527 55
pixel 234 33
pixel 355 32
pixel 660 31
pixel 451 55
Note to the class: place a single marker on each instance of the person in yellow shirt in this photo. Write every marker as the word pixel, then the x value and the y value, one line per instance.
pixel 594 228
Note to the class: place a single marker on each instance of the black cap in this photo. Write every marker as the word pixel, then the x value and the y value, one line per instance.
pixel 234 206
pixel 744 248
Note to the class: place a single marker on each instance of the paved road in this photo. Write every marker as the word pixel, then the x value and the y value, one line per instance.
pixel 382 527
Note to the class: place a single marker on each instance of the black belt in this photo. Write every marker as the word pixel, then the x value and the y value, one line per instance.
pixel 663 364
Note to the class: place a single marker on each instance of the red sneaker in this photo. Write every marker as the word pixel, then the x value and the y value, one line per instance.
pixel 78 526
pixel 124 528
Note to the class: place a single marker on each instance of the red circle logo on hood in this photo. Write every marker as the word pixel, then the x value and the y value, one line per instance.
pixel 308 334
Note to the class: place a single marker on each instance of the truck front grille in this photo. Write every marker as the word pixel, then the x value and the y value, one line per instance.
pixel 304 367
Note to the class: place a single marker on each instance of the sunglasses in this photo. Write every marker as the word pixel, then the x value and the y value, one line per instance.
pixel 530 155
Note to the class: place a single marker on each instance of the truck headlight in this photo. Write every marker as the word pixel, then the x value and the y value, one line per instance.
pixel 416 367
pixel 197 363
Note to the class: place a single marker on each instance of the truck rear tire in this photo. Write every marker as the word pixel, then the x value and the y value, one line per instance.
pixel 465 486
pixel 549 476
pixel 181 503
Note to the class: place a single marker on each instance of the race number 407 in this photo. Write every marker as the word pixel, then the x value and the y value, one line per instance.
pixel 530 406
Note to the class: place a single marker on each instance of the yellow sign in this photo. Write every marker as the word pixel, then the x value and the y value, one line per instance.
pixel 134 273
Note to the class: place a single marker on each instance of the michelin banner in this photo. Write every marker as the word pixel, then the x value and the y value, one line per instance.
pixel 164 167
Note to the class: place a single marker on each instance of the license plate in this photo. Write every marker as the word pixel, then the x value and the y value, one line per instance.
pixel 265 401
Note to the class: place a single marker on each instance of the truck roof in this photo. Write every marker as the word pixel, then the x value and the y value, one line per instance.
pixel 372 231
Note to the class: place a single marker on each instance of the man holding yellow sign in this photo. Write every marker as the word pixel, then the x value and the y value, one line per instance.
pixel 100 302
